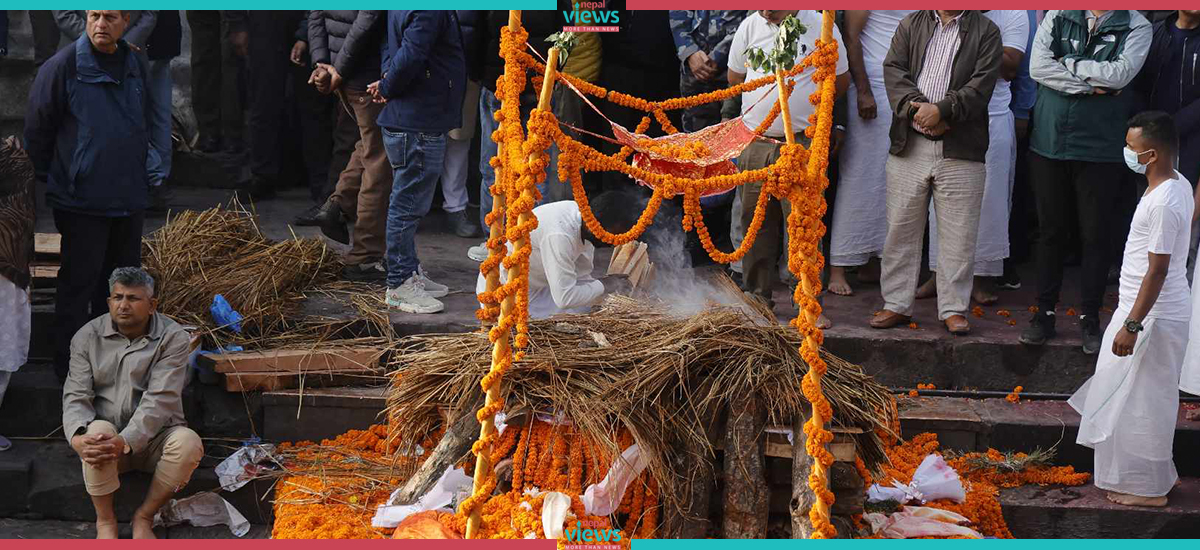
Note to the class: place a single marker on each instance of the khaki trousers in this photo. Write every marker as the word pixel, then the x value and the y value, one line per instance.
pixel 915 177
pixel 364 188
pixel 172 456
pixel 760 265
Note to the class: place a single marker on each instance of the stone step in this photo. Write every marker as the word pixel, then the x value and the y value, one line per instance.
pixel 43 480
pixel 1084 512
pixel 11 528
pixel 314 414
pixel 977 424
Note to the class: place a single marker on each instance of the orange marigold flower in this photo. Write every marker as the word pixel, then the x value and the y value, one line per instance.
pixel 912 325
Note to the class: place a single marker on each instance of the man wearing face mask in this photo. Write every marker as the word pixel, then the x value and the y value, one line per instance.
pixel 1129 406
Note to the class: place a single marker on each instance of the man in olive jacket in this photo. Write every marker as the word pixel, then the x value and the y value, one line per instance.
pixel 1083 60
pixel 939 73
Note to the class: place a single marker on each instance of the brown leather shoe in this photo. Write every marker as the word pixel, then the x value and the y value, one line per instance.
pixel 889 319
pixel 957 324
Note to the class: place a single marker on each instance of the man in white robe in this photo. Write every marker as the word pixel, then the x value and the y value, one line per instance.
pixel 561 262
pixel 1130 404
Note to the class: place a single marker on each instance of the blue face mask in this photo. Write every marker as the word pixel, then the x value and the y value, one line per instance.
pixel 1131 160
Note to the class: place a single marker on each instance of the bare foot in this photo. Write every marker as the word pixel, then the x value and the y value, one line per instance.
pixel 143 528
pixel 983 297
pixel 838 283
pixel 1134 500
pixel 107 529
pixel 869 273
pixel 823 322
pixel 927 290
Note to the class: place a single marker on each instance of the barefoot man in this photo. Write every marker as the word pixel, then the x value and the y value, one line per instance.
pixel 122 406
pixel 1130 405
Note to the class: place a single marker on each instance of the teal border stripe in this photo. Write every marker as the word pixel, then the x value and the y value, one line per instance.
pixel 304 4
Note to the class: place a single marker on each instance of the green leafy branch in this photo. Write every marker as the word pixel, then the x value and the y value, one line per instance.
pixel 783 56
pixel 565 42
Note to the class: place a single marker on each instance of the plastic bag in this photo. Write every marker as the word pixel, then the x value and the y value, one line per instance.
pixel 906 525
pixel 242 466
pixel 555 508
pixel 938 514
pixel 224 315
pixel 203 510
pixel 936 480
pixel 445 493
pixel 602 498
pixel 879 493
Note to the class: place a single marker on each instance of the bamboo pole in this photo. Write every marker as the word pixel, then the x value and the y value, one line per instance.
pixel 501 348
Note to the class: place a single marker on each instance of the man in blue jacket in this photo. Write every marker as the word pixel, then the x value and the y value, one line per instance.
pixel 88 134
pixel 423 81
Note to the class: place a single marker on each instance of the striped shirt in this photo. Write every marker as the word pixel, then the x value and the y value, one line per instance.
pixel 934 79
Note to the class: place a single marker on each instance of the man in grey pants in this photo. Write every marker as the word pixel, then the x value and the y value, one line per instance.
pixel 939 73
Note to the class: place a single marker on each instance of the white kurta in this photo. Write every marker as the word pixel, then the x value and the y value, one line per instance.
pixel 560 265
pixel 860 210
pixel 1128 408
pixel 1189 380
pixel 991 248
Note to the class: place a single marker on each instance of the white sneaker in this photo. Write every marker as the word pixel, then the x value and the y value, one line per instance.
pixel 478 252
pixel 436 290
pixel 411 297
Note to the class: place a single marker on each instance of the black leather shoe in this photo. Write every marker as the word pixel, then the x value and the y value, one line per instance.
pixel 1040 329
pixel 307 218
pixel 332 222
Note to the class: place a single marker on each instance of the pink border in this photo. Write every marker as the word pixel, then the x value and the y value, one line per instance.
pixel 190 544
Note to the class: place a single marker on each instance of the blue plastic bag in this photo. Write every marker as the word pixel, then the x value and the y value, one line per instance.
pixel 224 315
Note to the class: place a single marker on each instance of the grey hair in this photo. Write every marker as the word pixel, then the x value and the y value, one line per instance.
pixel 132 277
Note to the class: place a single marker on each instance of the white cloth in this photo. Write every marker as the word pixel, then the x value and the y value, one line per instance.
pixel 1162 224
pixel 756 32
pixel 1129 408
pixel 1014 33
pixel 1189 379
pixel 860 210
pixel 560 265
pixel 991 247
pixel 14 326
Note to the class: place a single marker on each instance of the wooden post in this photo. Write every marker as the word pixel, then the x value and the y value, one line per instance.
pixel 453 446
pixel 746 492
pixel 785 111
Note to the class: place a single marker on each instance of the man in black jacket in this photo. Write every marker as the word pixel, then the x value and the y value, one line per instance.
pixel 345 47
pixel 216 102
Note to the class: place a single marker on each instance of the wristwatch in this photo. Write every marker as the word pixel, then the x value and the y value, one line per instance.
pixel 1134 326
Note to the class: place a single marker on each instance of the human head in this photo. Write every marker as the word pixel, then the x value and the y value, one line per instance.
pixel 131 299
pixel 776 17
pixel 1152 138
pixel 617 212
pixel 1190 14
pixel 106 27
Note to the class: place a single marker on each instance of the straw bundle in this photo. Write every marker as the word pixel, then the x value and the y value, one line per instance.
pixel 632 365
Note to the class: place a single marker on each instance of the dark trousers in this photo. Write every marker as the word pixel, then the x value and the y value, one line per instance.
pixel 92 246
pixel 270 43
pixel 700 116
pixel 45 35
pixel 4 31
pixel 215 94
pixel 1022 218
pixel 345 138
pixel 315 112
pixel 647 83
pixel 1089 188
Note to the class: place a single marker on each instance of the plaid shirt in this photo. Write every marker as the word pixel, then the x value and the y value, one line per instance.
pixel 934 80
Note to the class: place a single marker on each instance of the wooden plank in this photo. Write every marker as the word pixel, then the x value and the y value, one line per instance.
pixel 636 259
pixel 295 360
pixel 272 381
pixel 47 243
pixel 42 271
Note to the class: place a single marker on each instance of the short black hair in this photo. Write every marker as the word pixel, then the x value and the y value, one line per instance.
pixel 617 211
pixel 1158 128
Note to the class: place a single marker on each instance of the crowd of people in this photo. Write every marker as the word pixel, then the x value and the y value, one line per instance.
pixel 1065 136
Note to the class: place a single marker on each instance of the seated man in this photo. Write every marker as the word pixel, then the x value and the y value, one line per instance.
pixel 122 406
pixel 560 265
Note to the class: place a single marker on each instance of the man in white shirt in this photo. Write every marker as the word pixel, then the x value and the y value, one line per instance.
pixel 562 259
pixel 1128 408
pixel 760 265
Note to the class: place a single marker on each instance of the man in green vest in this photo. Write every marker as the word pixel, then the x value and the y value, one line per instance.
pixel 1083 60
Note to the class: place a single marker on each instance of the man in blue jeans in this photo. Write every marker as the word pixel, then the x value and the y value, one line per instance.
pixel 423 82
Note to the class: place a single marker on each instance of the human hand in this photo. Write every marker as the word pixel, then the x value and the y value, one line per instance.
pixel 335 78
pixel 867 109
pixel 241 42
pixel 376 95
pixel 1123 342
pixel 320 79
pixel 836 138
pixel 98 449
pixel 927 115
pixel 702 66
pixel 936 131
pixel 298 50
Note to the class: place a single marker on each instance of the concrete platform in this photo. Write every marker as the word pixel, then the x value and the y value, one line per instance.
pixel 1084 512
pixel 52 529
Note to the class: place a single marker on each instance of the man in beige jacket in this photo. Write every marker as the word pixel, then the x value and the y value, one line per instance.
pixel 122 404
